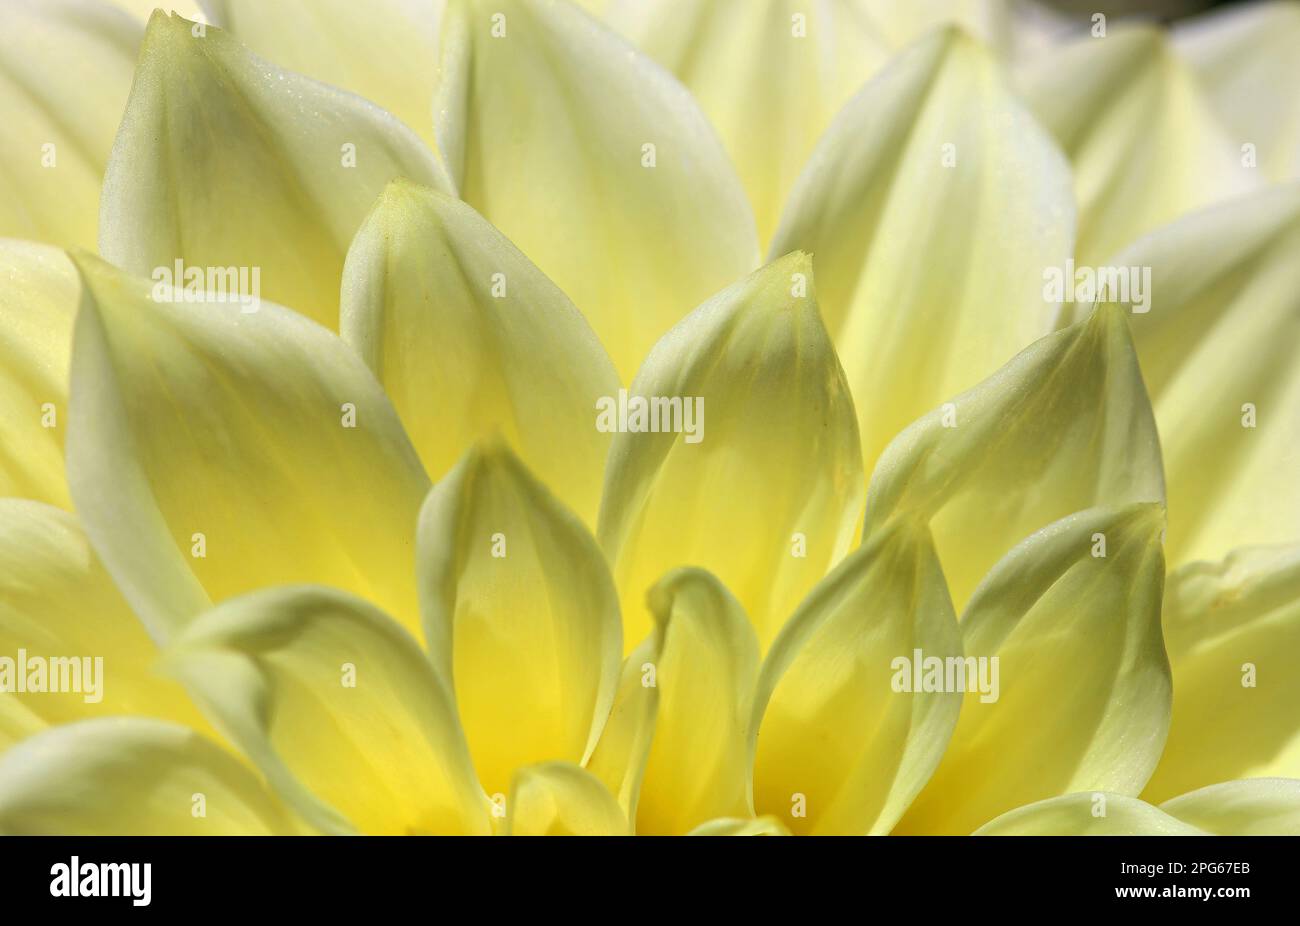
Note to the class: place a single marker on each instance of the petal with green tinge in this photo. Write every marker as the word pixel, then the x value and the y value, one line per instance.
pixel 1066 681
pixel 841 748
pixel 224 161
pixel 338 707
pixel 213 451
pixel 428 277
pixel 744 459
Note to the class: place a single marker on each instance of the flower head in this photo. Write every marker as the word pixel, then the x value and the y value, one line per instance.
pixel 527 497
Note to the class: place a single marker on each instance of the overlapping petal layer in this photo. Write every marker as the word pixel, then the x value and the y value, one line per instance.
pixel 383 50
pixel 72 647
pixel 840 748
pixel 1244 59
pixel 1255 807
pixel 225 160
pixel 131 776
pixel 698 765
pixel 338 707
pixel 1064 426
pixel 39 292
pixel 595 161
pixel 761 482
pixel 520 615
pixel 1218 349
pixel 1233 632
pixel 769 74
pixel 562 799
pixel 212 451
pixel 1078 698
pixel 932 205
pixel 65 71
pixel 1141 137
pixel 427 277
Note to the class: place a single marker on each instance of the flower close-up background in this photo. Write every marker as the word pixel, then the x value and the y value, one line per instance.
pixel 649 417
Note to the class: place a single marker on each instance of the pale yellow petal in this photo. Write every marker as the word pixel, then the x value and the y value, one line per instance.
pixel 561 799
pixel 468 338
pixel 595 162
pixel 1097 813
pixel 338 707
pixel 211 452
pixel 762 482
pixel 699 761
pixel 620 756
pixel 1217 332
pixel 769 74
pixel 39 291
pixel 932 206
pixel 1233 632
pixel 840 748
pixel 142 9
pixel 1064 426
pixel 1244 60
pixel 1078 699
pixel 520 615
pixel 129 776
pixel 70 648
pixel 1254 807
pixel 224 160
pixel 1142 140
pixel 65 72
pixel 762 826
pixel 383 50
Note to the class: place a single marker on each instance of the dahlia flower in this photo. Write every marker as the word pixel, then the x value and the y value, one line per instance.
pixel 502 416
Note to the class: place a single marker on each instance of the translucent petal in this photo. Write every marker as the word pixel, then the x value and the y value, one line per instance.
pixel 427 277
pixel 66 635
pixel 763 826
pixel 1143 142
pixel 224 160
pixel 1218 343
pixel 520 615
pixel 383 50
pixel 1233 632
pixel 619 759
pixel 561 799
pixel 129 776
pixel 762 482
pixel 1078 699
pixel 699 761
pixel 1255 807
pixel 1093 814
pixel 1064 426
pixel 38 302
pixel 211 452
pixel 338 707
pixel 65 72
pixel 595 161
pixel 769 74
pixel 840 748
pixel 1244 59
pixel 922 305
